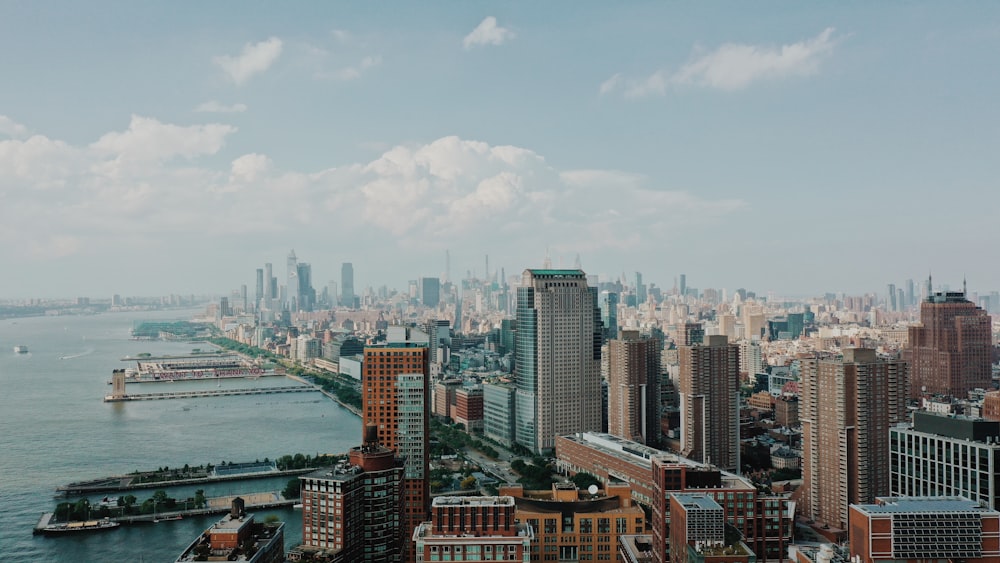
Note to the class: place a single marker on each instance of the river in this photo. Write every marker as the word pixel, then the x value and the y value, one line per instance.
pixel 55 429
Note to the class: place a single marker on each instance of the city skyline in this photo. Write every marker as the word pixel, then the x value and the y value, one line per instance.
pixel 143 151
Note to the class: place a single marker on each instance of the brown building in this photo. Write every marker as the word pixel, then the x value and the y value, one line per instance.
pixel 786 411
pixel 847 405
pixel 574 525
pixel 991 406
pixel 354 510
pixel 764 519
pixel 469 408
pixel 237 537
pixel 915 529
pixel 472 529
pixel 950 352
pixel 697 532
pixel 444 397
pixel 709 402
pixel 396 399
pixel 634 387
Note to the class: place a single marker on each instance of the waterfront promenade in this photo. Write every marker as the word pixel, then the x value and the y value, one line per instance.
pixel 126 482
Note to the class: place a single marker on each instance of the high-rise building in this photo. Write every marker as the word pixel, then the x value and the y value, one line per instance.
pixel 353 511
pixel 347 285
pixel 396 398
pixel 709 402
pixel 634 388
pixel 847 406
pixel 750 358
pixel 292 283
pixel 640 290
pixel 683 285
pixel 950 351
pixel 557 357
pixel 259 293
pixel 268 285
pixel 430 292
pixel 946 455
pixel 608 303
pixel 890 298
pixel 306 293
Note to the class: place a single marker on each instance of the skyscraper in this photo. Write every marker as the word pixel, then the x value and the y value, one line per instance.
pixel 683 285
pixel 268 285
pixel 306 293
pixel 608 303
pixel 709 402
pixel 847 406
pixel 557 357
pixel 640 290
pixel 259 293
pixel 950 351
pixel 395 388
pixel 634 388
pixel 347 285
pixel 292 285
pixel 430 292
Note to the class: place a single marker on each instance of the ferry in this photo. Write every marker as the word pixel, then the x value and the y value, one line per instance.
pixel 78 527
pixel 21 349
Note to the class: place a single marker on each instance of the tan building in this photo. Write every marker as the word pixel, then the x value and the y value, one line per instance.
pixel 847 405
pixel 557 358
pixel 634 388
pixel 574 525
pixel 709 402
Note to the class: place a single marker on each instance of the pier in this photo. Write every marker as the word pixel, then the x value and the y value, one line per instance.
pixel 121 483
pixel 114 398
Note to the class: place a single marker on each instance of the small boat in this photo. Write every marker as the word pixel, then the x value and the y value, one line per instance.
pixel 20 349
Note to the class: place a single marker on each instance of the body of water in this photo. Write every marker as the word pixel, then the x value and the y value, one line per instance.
pixel 55 429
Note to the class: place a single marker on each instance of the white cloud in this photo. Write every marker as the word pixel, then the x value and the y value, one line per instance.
pixel 10 128
pixel 254 59
pixel 731 66
pixel 213 106
pixel 130 190
pixel 355 71
pixel 487 33
pixel 148 140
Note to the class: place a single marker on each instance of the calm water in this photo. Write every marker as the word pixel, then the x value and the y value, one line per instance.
pixel 54 429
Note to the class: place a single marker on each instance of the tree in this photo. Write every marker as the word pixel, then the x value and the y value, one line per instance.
pixel 584 480
pixel 199 498
pixel 292 489
pixel 468 483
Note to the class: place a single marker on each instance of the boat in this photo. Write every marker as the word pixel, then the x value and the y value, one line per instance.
pixel 79 527
pixel 21 349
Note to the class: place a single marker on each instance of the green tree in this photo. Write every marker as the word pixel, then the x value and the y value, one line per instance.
pixel 584 480
pixel 292 489
pixel 468 483
pixel 199 498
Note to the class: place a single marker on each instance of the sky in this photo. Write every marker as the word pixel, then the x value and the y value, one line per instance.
pixel 797 148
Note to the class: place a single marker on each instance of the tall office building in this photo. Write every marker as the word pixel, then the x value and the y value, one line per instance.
pixel 557 357
pixel 268 285
pixel 292 283
pixel 683 285
pixel 890 298
pixel 640 290
pixel 608 303
pixel 950 351
pixel 846 408
pixel 259 292
pixel 347 285
pixel 430 292
pixel 710 402
pixel 634 388
pixel 396 399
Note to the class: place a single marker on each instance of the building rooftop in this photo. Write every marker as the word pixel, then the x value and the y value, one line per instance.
pixel 473 501
pixel 557 273
pixel 922 505
pixel 698 501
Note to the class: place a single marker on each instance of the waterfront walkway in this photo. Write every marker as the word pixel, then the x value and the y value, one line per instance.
pixel 352 408
pixel 127 482
pixel 212 393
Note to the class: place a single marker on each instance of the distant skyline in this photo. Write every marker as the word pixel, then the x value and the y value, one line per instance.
pixel 800 149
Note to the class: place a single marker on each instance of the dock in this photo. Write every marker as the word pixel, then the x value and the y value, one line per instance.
pixel 131 483
pixel 212 393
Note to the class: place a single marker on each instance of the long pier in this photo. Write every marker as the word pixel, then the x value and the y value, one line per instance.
pixel 121 483
pixel 212 393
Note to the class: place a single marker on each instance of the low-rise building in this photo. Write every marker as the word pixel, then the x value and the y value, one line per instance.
pixel 238 537
pixel 473 529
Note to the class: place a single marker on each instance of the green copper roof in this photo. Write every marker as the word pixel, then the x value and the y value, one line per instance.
pixel 557 272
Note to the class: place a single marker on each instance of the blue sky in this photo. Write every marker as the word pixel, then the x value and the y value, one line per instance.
pixel 797 148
